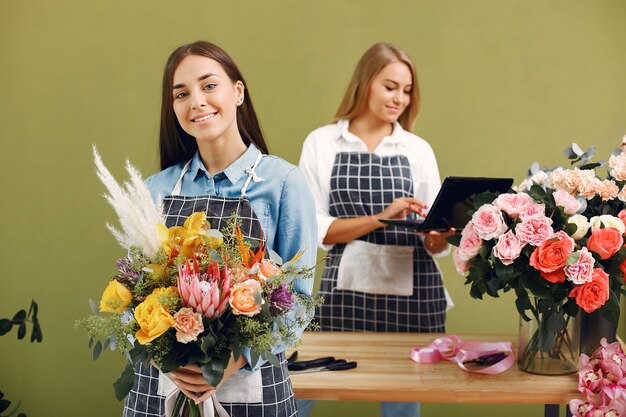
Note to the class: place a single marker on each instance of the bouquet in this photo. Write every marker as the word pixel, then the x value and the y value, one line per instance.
pixel 602 379
pixel 190 294
pixel 557 240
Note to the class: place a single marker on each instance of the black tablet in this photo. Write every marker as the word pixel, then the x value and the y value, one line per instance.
pixel 453 202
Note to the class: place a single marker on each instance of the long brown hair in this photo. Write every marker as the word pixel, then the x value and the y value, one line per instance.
pixel 176 145
pixel 370 64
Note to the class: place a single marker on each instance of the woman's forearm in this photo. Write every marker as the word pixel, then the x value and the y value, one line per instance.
pixel 347 230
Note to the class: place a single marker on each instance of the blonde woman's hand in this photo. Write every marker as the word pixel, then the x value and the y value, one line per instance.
pixel 436 242
pixel 400 207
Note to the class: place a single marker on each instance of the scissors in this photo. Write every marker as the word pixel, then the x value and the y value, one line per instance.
pixel 328 363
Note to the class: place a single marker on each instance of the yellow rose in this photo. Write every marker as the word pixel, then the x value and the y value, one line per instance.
pixel 153 320
pixel 116 298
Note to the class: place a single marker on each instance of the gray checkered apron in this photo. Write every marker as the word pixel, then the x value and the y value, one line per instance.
pixel 363 184
pixel 278 401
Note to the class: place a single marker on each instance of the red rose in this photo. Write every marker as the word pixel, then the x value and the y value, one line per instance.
pixel 592 295
pixel 622 268
pixel 605 242
pixel 550 257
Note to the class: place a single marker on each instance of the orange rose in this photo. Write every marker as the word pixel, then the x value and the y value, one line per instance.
pixel 605 242
pixel 592 295
pixel 242 298
pixel 550 257
pixel 268 268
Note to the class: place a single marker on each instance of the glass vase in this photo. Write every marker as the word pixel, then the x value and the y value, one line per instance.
pixel 593 327
pixel 549 344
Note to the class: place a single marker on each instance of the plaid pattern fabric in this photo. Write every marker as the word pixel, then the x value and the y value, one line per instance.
pixel 278 400
pixel 363 184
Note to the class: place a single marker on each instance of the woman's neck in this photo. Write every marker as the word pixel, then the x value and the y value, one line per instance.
pixel 370 130
pixel 218 154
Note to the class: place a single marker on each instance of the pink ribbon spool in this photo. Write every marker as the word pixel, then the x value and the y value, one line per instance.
pixel 453 349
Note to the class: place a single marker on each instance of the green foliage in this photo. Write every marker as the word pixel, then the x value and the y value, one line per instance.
pixel 20 319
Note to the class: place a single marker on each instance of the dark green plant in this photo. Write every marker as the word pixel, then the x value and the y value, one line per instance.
pixel 19 320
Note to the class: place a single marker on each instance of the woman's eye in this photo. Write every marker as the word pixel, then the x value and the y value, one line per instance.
pixel 407 91
pixel 389 88
pixel 210 86
pixel 180 95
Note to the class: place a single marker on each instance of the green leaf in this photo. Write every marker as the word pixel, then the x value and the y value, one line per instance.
pixel 481 199
pixel 271 358
pixel 572 259
pixel 94 307
pixel 21 331
pixel 492 287
pixel 570 228
pixel 535 288
pixel 19 316
pixel 610 309
pixel 4 404
pixel 521 309
pixel 208 342
pixel 213 371
pixel 124 382
pixel 454 239
pixel 97 350
pixel 90 342
pixel 36 335
pixel 555 323
pixel 538 192
pixel 570 307
pixel 5 326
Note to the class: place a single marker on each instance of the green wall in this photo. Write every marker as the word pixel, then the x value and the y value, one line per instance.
pixel 504 83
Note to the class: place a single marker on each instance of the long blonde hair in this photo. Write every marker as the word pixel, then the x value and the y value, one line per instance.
pixel 370 64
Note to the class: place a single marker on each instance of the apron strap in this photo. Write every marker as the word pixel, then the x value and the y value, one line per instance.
pixel 178 186
pixel 252 175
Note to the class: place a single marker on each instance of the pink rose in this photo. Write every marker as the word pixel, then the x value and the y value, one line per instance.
pixel 488 222
pixel 461 266
pixel 534 230
pixel 534 210
pixel 508 248
pixel 580 271
pixel 188 325
pixel 567 201
pixel 513 204
pixel 470 242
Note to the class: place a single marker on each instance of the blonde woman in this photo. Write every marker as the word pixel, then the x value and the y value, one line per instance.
pixel 365 167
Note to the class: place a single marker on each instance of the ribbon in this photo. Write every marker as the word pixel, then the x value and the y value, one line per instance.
pixel 453 349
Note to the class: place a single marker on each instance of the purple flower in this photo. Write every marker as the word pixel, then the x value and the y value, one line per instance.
pixel 126 274
pixel 281 300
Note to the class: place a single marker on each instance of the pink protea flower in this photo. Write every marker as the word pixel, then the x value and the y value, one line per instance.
pixel 206 293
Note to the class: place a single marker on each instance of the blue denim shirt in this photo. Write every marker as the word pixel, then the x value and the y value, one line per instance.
pixel 281 201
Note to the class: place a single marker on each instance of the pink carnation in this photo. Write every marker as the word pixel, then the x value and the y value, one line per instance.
pixel 461 266
pixel 508 248
pixel 580 271
pixel 488 222
pixel 470 242
pixel 188 325
pixel 589 187
pixel 534 210
pixel 567 201
pixel 513 204
pixel 534 230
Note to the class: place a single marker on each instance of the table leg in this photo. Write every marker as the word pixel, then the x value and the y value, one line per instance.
pixel 553 410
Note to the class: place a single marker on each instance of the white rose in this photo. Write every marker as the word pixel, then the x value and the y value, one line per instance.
pixel 582 225
pixel 539 177
pixel 608 221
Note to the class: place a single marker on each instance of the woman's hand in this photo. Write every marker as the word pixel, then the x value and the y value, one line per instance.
pixel 436 242
pixel 400 207
pixel 190 381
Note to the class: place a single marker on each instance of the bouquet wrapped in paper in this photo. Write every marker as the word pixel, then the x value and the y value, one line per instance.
pixel 191 294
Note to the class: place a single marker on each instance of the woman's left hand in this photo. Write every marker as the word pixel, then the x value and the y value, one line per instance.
pixel 436 242
pixel 190 381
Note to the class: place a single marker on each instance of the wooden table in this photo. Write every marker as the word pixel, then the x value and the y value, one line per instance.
pixel 385 372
